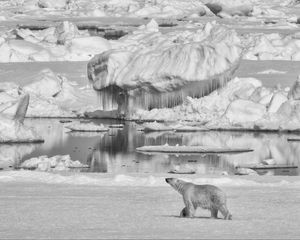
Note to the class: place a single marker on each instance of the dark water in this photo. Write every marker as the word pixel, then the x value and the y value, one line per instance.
pixel 114 151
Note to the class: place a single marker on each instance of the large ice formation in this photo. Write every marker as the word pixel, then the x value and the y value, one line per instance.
pixel 52 95
pixel 151 69
pixel 273 46
pixel 242 104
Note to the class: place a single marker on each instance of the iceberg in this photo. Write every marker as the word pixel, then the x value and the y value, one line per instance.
pixel 150 69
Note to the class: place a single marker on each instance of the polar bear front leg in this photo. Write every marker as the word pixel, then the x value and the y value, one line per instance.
pixel 214 213
pixel 190 210
pixel 183 212
pixel 227 216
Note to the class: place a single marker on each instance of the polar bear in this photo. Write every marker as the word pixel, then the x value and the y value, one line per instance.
pixel 204 196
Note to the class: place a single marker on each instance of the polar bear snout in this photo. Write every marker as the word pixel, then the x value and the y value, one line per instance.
pixel 168 180
pixel 172 181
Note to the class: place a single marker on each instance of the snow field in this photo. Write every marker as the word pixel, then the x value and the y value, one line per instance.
pixel 36 210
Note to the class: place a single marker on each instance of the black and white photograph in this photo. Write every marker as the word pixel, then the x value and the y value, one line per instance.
pixel 149 119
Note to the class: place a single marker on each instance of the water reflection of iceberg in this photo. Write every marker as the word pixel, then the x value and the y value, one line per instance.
pixel 265 146
pixel 12 154
pixel 117 154
pixel 98 161
pixel 114 152
pixel 51 130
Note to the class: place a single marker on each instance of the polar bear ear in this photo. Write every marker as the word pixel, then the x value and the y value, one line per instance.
pixel 22 109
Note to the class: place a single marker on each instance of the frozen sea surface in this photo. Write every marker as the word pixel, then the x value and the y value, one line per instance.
pixel 21 73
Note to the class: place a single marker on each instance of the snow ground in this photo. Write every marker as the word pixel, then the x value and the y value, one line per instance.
pixel 65 211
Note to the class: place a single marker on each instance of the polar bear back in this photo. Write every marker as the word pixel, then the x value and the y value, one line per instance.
pixel 204 196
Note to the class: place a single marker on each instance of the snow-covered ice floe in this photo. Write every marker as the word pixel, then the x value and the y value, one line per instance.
pixel 190 149
pixel 116 125
pixel 271 71
pixel 54 163
pixel 243 104
pixel 178 127
pixel 150 69
pixel 272 46
pixel 52 95
pixel 87 127
pixel 63 42
pixel 12 129
pixel 25 176
pixel 16 9
pixel 122 8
